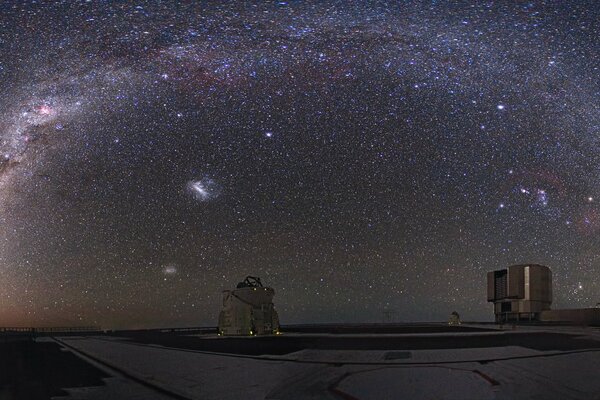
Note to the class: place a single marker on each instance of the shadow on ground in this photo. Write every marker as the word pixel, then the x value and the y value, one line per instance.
pixel 35 371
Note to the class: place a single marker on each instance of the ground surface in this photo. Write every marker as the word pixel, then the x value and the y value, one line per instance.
pixel 30 370
pixel 437 363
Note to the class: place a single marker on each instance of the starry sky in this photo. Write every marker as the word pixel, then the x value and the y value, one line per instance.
pixel 359 156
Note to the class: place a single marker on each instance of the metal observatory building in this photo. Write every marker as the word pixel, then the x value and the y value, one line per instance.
pixel 248 310
pixel 520 292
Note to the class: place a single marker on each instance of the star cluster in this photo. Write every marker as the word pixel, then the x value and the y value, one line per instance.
pixel 359 157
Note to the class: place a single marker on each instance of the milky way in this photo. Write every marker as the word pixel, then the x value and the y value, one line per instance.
pixel 357 156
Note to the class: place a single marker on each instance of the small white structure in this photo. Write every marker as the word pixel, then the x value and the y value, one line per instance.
pixel 454 319
pixel 248 310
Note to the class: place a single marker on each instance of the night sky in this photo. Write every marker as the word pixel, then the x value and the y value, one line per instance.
pixel 357 156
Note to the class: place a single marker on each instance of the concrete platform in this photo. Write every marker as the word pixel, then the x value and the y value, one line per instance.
pixel 548 364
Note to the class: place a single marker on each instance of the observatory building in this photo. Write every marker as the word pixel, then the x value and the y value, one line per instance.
pixel 524 293
pixel 248 310
pixel 520 292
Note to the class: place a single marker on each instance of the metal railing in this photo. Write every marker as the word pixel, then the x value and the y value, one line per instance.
pixel 31 333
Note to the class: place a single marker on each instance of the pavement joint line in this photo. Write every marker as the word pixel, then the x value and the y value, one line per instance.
pixel 129 375
pixel 334 386
pixel 488 378
pixel 338 362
